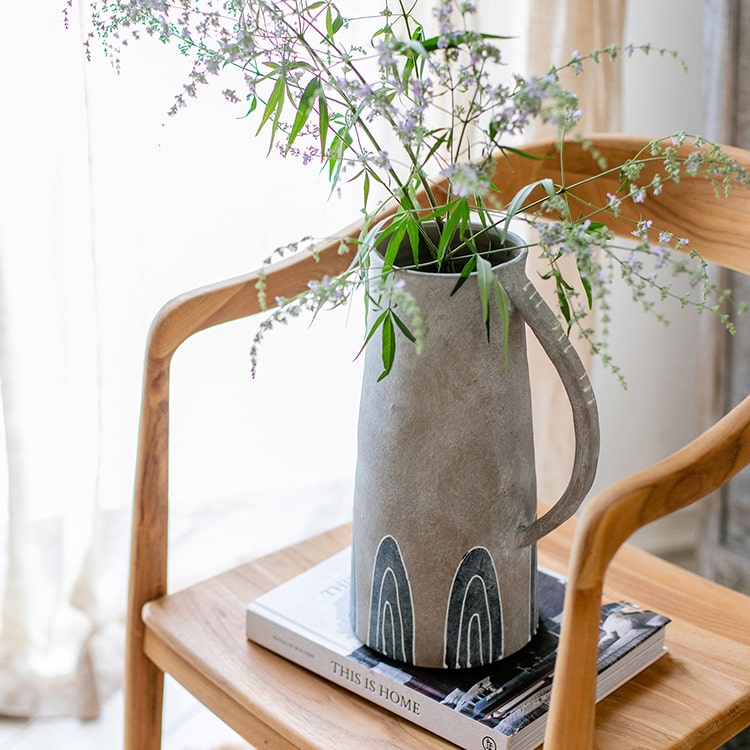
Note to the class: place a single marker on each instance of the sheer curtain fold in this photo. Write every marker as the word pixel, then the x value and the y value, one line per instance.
pixel 49 375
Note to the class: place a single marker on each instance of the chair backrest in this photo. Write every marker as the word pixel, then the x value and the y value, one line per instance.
pixel 719 229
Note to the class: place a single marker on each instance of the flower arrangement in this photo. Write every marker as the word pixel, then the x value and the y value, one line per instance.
pixel 415 120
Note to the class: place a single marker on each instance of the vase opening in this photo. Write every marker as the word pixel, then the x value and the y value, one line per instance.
pixel 486 242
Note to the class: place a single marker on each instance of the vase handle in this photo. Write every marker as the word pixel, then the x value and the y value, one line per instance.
pixel 554 341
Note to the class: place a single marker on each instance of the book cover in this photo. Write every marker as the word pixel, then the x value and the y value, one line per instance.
pixel 499 707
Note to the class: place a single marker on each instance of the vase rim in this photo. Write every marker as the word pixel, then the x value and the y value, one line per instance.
pixel 515 247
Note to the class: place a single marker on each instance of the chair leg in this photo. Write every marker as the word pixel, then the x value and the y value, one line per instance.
pixel 144 696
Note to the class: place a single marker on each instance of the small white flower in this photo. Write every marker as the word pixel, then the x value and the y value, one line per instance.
pixel 467 179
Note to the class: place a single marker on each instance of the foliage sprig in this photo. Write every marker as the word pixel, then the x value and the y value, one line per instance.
pixel 403 106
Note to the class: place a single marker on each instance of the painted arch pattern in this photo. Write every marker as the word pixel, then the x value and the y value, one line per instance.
pixel 391 610
pixel 473 634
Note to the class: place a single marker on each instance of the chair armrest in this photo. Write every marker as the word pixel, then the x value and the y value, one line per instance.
pixel 177 321
pixel 605 523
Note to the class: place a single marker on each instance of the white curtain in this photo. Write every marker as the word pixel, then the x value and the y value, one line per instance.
pixel 108 209
pixel 48 371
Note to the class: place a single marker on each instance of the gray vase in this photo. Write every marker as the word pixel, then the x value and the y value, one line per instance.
pixel 444 527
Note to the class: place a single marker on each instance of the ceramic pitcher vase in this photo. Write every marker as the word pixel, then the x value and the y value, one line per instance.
pixel 444 557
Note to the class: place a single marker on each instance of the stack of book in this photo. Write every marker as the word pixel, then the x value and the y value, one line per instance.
pixel 497 707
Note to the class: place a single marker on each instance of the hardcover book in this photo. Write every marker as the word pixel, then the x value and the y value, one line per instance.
pixel 498 707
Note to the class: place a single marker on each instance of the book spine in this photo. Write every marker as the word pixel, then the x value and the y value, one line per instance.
pixel 373 686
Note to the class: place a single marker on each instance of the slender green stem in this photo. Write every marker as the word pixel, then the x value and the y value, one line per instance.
pixel 403 192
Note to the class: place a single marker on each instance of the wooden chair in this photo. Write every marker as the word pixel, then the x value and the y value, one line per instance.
pixel 697 696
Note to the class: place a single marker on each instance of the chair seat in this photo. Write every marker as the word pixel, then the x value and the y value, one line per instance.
pixel 198 636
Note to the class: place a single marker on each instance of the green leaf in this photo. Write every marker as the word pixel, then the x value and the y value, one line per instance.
pixel 503 306
pixel 466 271
pixel 323 122
pixel 485 277
pixel 355 177
pixel 407 73
pixel 341 142
pixel 388 346
pixel 274 106
pixel 519 199
pixel 589 293
pixel 492 131
pixel 394 244
pixel 459 217
pixel 414 240
pixel 435 146
pixel 524 154
pixel 432 43
pixel 403 328
pixel 333 24
pixel 372 330
pixel 253 105
pixel 562 301
pixel 372 236
pixel 413 47
pixel 305 106
pixel 437 211
pixel 275 101
pixel 365 190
